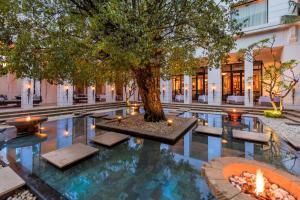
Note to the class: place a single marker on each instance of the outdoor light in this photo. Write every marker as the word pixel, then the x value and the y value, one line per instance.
pixel 93 126
pixel 249 90
pixel 170 122
pixel 28 118
pixel 164 91
pixel 119 118
pixel 112 91
pixel 213 87
pixel 67 92
pixel 28 91
pixel 224 141
pixel 234 110
pixel 293 95
pixel 4 64
pixel 93 90
pixel 186 89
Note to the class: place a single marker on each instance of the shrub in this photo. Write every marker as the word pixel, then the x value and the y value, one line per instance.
pixel 273 114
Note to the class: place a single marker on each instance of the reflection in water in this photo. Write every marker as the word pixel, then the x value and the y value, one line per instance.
pixel 64 133
pixel 140 168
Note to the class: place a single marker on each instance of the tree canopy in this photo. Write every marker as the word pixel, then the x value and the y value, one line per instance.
pixel 89 40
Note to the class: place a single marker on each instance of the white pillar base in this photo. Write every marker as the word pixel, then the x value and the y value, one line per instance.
pixel 248 78
pixel 91 93
pixel 64 95
pixel 188 89
pixel 27 93
pixel 214 86
pixel 166 91
pixel 110 93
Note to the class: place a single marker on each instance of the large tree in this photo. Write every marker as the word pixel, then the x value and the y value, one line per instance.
pixel 88 40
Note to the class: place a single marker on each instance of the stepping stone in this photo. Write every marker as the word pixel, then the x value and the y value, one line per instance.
pixel 9 181
pixel 66 156
pixel 110 138
pixel 251 136
pixel 294 141
pixel 99 115
pixel 209 130
pixel 292 123
pixel 109 117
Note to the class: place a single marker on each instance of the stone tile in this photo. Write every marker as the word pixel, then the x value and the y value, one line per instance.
pixel 66 156
pixel 243 196
pixel 209 130
pixel 251 136
pixel 99 115
pixel 9 180
pixel 222 189
pixel 294 141
pixel 110 138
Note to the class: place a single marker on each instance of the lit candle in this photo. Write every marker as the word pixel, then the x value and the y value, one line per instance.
pixel 169 122
pixel 119 119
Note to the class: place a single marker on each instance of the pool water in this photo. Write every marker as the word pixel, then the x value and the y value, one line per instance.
pixel 141 168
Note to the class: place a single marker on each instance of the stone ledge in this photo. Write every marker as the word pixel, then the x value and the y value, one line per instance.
pixel 170 137
pixel 224 167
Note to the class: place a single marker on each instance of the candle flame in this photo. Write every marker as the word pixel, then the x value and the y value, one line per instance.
pixel 28 118
pixel 260 183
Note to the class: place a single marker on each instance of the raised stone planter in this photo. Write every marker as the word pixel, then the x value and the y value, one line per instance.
pixel 136 126
pixel 217 172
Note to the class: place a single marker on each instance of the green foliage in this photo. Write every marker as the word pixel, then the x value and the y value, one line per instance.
pixel 294 7
pixel 273 113
pixel 279 78
pixel 107 40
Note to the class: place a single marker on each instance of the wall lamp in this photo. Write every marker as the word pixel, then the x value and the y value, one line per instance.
pixel 28 91
pixel 249 91
pixel 186 90
pixel 164 91
pixel 112 91
pixel 93 91
pixel 213 87
pixel 67 92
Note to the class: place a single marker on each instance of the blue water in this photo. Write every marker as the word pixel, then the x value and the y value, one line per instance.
pixel 140 168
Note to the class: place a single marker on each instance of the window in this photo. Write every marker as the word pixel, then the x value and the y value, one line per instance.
pixel 252 14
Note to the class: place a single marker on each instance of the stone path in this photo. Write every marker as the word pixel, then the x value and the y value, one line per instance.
pixel 279 126
pixel 251 136
pixel 110 138
pixel 209 130
pixel 66 156
pixel 9 181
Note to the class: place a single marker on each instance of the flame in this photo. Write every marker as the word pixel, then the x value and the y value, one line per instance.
pixel 66 133
pixel 28 118
pixel 234 110
pixel 260 183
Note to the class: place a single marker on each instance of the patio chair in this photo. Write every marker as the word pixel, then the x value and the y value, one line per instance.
pixel 266 101
pixel 237 100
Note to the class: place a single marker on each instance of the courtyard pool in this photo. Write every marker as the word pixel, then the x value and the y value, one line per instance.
pixel 140 168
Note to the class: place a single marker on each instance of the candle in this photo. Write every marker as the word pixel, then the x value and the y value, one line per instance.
pixel 169 122
pixel 119 119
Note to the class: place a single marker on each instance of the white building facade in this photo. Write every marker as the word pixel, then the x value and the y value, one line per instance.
pixel 240 81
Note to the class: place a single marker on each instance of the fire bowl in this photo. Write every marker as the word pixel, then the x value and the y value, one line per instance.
pixel 218 172
pixel 135 106
pixel 27 124
pixel 234 115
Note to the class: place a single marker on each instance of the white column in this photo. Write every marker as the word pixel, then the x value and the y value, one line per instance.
pixel 27 93
pixel 248 78
pixel 166 91
pixel 65 94
pixel 110 93
pixel 37 88
pixel 214 83
pixel 187 89
pixel 291 51
pixel 91 91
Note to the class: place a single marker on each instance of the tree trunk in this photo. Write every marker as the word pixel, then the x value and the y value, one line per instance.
pixel 148 81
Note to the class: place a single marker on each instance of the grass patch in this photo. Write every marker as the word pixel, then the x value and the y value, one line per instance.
pixel 273 113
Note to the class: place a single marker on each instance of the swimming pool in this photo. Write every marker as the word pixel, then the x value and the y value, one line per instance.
pixel 141 168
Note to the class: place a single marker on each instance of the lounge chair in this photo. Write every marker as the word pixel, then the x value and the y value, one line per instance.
pixel 238 100
pixel 202 99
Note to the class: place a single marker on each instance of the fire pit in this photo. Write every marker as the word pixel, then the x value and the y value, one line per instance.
pixel 29 124
pixel 233 177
